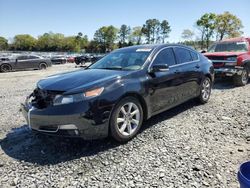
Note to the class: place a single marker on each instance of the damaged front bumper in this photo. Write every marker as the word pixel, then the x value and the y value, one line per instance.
pixel 71 120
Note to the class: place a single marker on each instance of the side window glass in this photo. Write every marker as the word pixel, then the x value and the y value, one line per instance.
pixel 194 56
pixel 183 55
pixel 33 57
pixel 166 56
pixel 22 57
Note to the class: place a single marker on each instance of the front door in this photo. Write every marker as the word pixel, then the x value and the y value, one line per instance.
pixel 165 86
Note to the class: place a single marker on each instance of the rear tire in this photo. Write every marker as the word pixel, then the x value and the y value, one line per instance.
pixel 5 68
pixel 242 80
pixel 205 91
pixel 42 66
pixel 126 119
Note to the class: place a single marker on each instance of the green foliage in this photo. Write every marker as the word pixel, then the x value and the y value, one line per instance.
pixel 3 43
pixel 187 34
pixel 108 38
pixel 136 35
pixel 24 42
pixel 105 38
pixel 123 35
pixel 228 25
pixel 206 24
pixel 165 30
pixel 156 31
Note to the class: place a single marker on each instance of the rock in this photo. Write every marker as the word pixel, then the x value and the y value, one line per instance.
pixel 240 150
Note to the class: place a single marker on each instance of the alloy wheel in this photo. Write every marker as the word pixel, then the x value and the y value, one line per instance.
pixel 206 89
pixel 128 119
pixel 244 76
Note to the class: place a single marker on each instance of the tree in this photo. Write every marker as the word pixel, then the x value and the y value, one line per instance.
pixel 3 43
pixel 187 34
pixel 156 31
pixel 105 37
pixel 123 35
pixel 136 35
pixel 24 42
pixel 206 24
pixel 151 30
pixel 228 25
pixel 165 30
pixel 50 42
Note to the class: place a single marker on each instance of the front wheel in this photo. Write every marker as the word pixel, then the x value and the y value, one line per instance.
pixel 5 68
pixel 241 80
pixel 205 90
pixel 126 119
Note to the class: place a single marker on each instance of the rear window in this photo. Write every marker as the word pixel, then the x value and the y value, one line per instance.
pixel 194 56
pixel 183 55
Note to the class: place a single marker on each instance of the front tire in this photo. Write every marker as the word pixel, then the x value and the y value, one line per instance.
pixel 205 91
pixel 126 119
pixel 5 68
pixel 242 80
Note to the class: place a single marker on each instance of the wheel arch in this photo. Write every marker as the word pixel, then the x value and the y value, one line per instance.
pixel 140 99
pixel 247 63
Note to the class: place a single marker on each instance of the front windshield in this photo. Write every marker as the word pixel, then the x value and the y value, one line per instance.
pixel 229 47
pixel 123 60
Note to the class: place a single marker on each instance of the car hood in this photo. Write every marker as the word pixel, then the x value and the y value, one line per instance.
pixel 224 54
pixel 80 80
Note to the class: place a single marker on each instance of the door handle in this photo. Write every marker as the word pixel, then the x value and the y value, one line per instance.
pixel 197 66
pixel 176 71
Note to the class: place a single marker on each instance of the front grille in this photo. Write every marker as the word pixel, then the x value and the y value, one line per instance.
pixel 43 98
pixel 216 57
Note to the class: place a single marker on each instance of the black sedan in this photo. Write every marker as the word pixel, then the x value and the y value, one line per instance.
pixel 116 94
pixel 22 62
pixel 58 60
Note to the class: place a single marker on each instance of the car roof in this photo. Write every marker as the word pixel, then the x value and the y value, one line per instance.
pixel 151 46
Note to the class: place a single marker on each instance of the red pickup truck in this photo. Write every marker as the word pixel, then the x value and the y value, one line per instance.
pixel 231 57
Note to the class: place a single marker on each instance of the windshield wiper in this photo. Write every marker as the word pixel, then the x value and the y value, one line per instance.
pixel 112 68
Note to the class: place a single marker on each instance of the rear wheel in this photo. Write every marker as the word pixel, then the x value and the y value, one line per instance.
pixel 205 91
pixel 241 80
pixel 43 66
pixel 5 68
pixel 126 119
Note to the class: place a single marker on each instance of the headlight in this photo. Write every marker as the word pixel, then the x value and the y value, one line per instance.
pixel 66 99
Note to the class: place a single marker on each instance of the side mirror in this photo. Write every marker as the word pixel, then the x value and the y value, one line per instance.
pixel 160 68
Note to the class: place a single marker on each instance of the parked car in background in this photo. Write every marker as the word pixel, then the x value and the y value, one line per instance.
pixel 116 94
pixel 59 59
pixel 21 62
pixel 81 60
pixel 4 59
pixel 71 59
pixel 231 57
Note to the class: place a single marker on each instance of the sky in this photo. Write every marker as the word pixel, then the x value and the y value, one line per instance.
pixel 69 17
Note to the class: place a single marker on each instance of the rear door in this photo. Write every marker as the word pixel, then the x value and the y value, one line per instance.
pixel 164 86
pixel 190 72
pixel 33 61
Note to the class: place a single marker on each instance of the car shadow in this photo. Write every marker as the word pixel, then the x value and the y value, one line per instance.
pixel 24 145
pixel 224 83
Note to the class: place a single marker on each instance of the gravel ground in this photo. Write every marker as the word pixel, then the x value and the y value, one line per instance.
pixel 189 146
